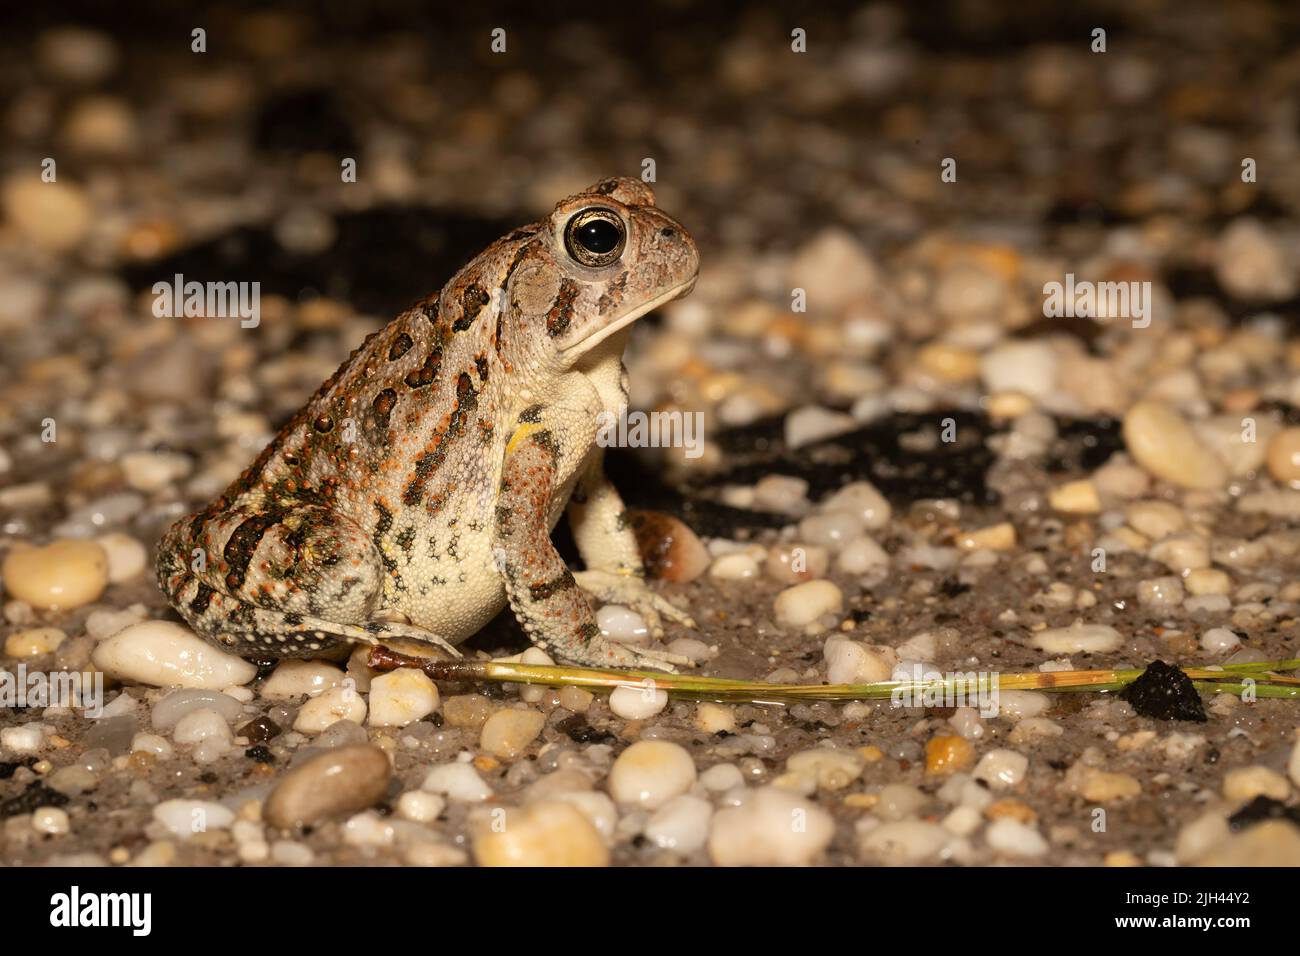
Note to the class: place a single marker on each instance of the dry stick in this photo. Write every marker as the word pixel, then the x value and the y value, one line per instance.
pixel 1209 679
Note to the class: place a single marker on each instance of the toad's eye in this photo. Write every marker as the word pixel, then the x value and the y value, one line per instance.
pixel 595 236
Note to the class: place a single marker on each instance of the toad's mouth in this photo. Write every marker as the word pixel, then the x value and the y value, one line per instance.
pixel 577 348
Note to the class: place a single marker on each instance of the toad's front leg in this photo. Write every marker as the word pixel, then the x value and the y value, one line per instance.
pixel 605 540
pixel 542 591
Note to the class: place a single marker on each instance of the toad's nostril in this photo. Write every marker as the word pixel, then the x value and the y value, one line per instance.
pixel 667 232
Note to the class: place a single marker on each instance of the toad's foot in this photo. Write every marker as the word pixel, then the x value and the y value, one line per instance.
pixel 614 587
pixel 543 593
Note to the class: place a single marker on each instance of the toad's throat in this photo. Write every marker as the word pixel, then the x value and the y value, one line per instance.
pixel 577 348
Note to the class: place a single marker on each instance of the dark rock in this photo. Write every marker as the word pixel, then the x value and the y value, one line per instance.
pixel 1165 693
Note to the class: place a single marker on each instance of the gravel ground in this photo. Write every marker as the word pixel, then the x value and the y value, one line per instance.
pixel 912 459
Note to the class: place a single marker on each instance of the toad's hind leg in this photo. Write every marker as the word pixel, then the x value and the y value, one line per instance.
pixel 297 583
pixel 543 593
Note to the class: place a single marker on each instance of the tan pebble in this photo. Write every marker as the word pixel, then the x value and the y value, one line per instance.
pixel 715 718
pixel 650 773
pixel 831 769
pixel 998 537
pixel 1207 581
pixel 1246 783
pixel 509 731
pixel 948 754
pixel 53 216
pixel 338 781
pixel 1162 442
pixel 328 707
pixel 1010 807
pixel 795 563
pixel 1155 519
pixel 402 697
pixel 1284 456
pixel 575 699
pixel 61 575
pixel 761 831
pixel 1273 843
pixel 804 604
pixel 466 710
pixel 1123 858
pixel 669 549
pixel 126 556
pixel 545 833
pixel 34 641
pixel 1076 497
pixel 871 753
pixel 1004 406
pixel 485 764
pixel 164 653
pixel 1103 786
pixel 949 363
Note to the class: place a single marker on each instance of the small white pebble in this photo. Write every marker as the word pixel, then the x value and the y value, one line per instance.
pixel 420 806
pixel 184 818
pixel 126 556
pixel 622 624
pixel 637 703
pixel 458 781
pixel 1001 769
pixel 737 566
pixel 23 739
pixel 331 706
pixel 1219 640
pixel 681 824
pixel 804 604
pixel 50 820
pixel 650 773
pixel 151 744
pixel 1015 838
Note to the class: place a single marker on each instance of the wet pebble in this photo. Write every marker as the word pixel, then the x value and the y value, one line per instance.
pixel 1160 440
pixel 1001 769
pixel 637 703
pixel 1078 638
pixel 622 624
pixel 53 216
pixel 338 781
pixel 851 662
pixel 546 833
pixel 185 818
pixel 458 781
pixel 904 842
pixel 58 576
pixel 292 679
pixel 1014 838
pixel 34 642
pixel 509 731
pixel 402 697
pixel 681 824
pixel 171 708
pixel 163 654
pixel 773 827
pixel 328 707
pixel 803 604
pixel 650 773
pixel 126 556
pixel 669 549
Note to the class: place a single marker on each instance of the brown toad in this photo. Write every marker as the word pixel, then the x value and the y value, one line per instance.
pixel 421 483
